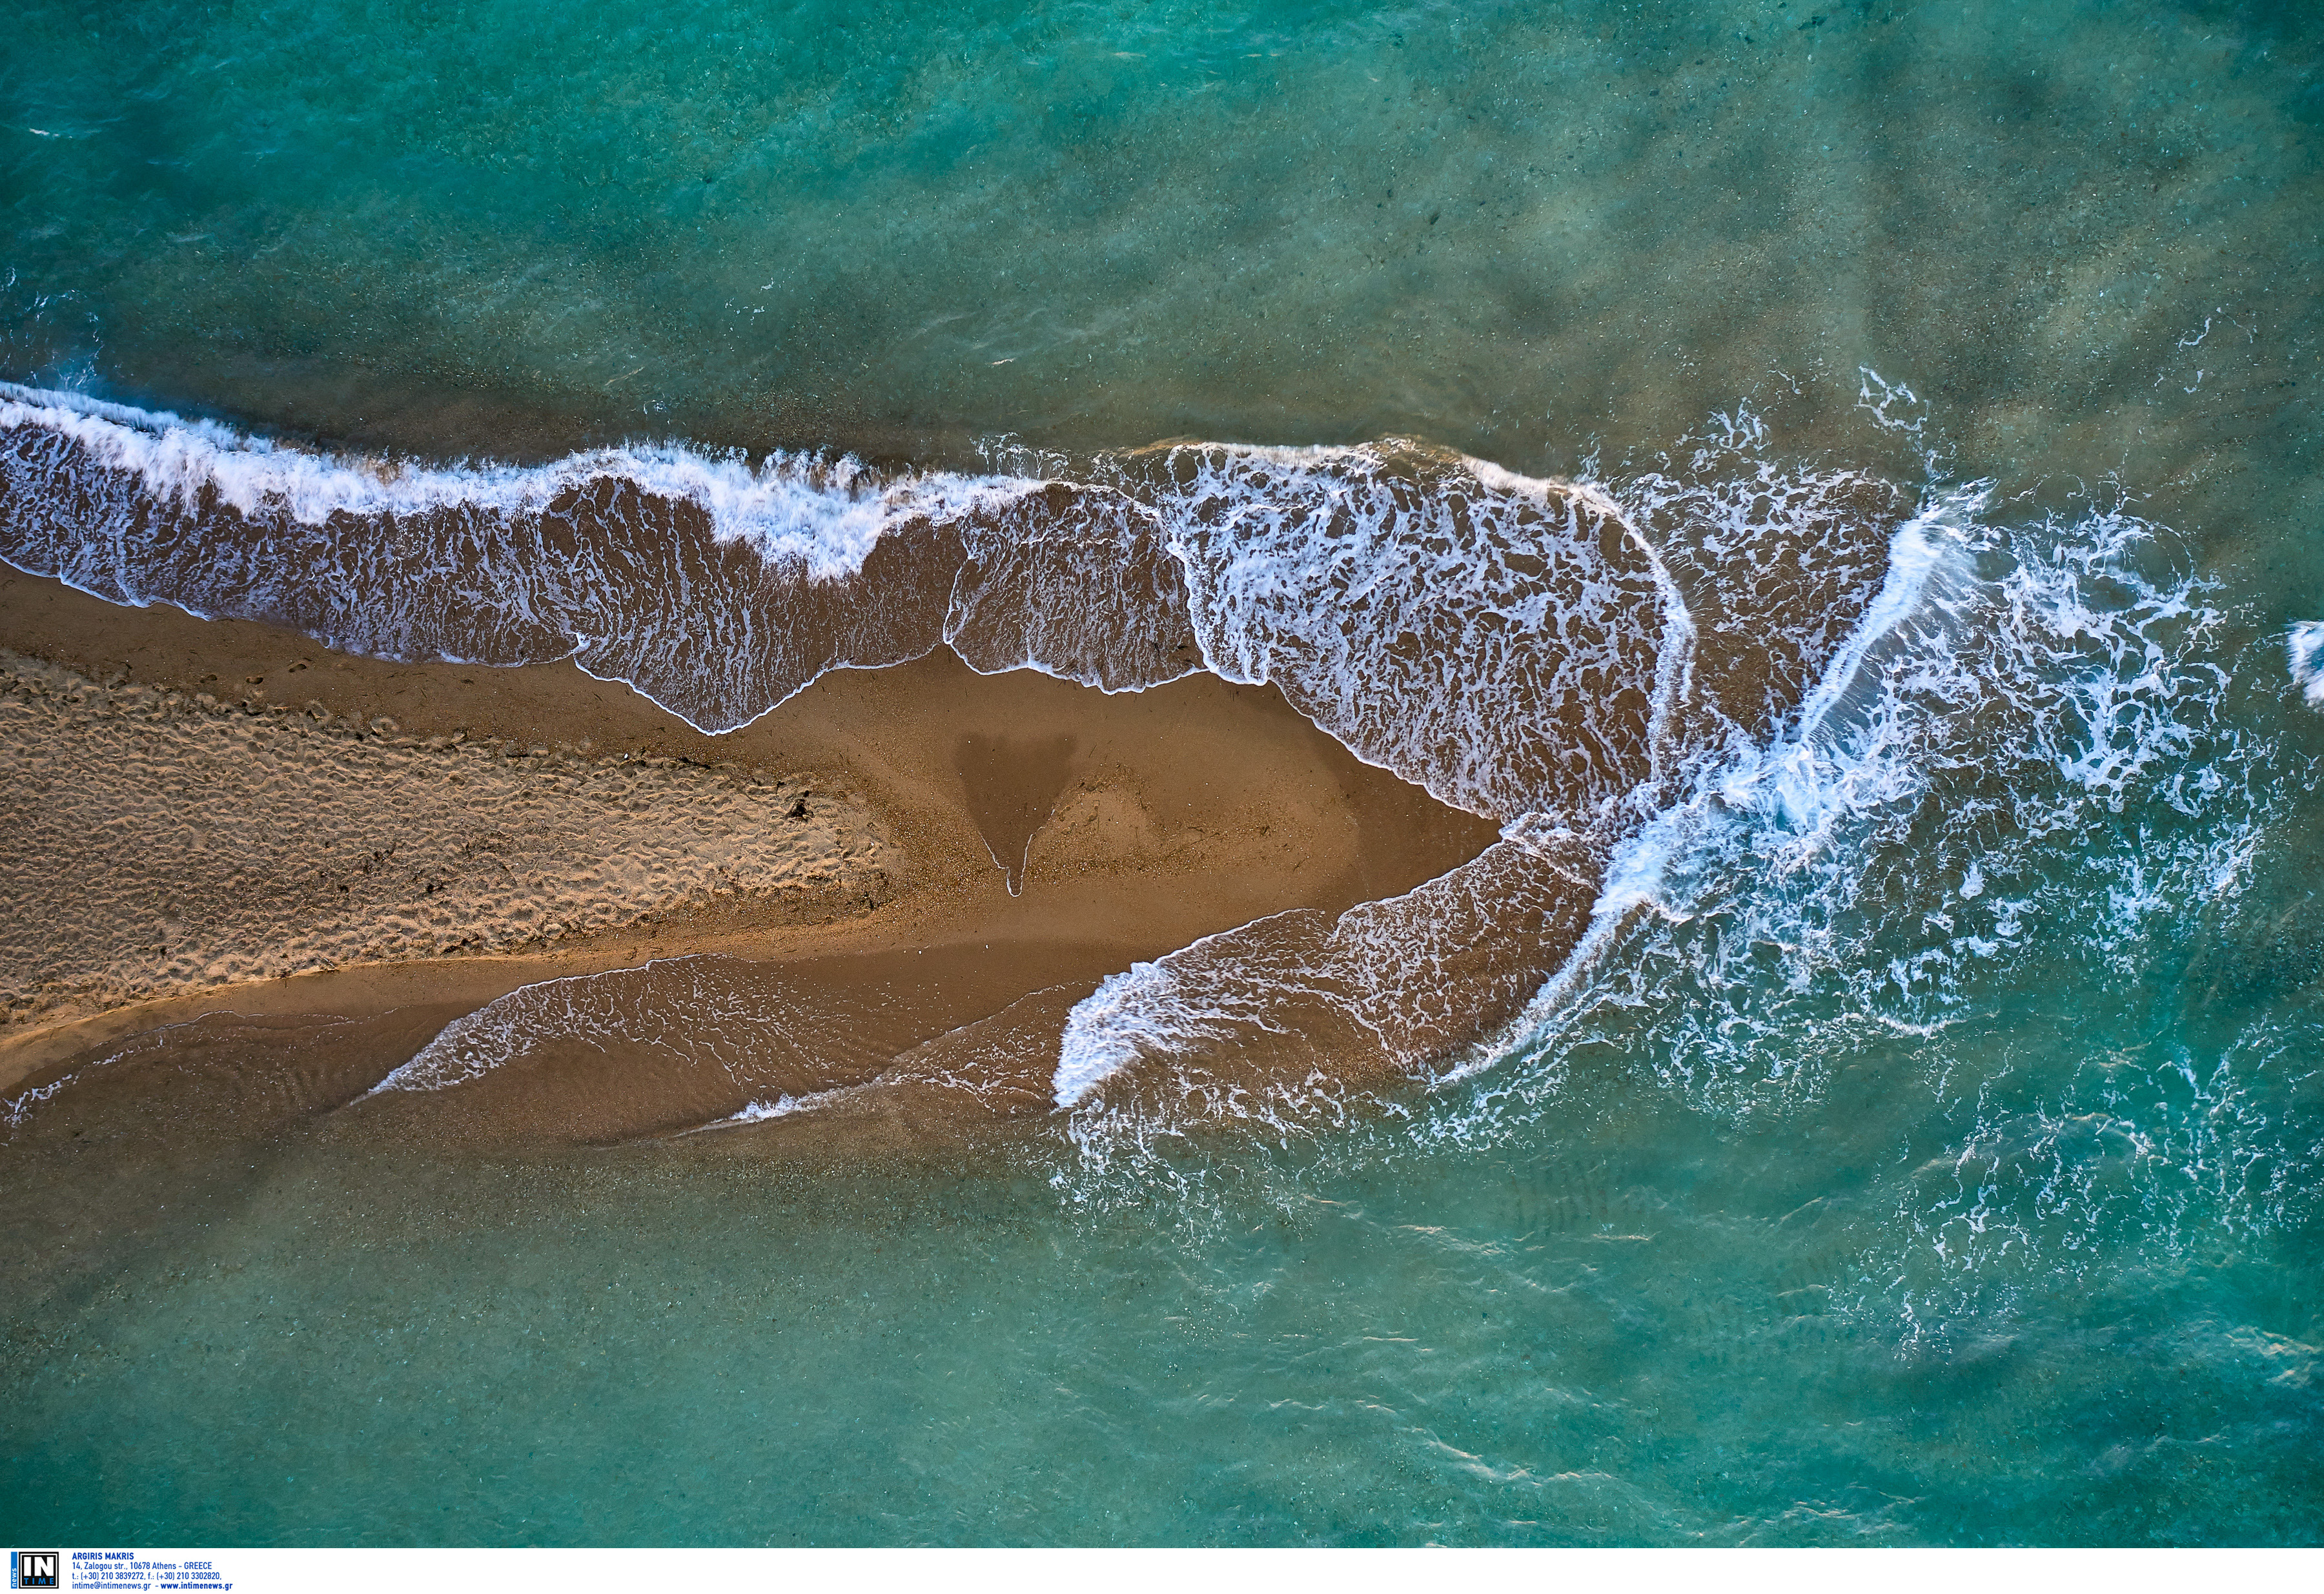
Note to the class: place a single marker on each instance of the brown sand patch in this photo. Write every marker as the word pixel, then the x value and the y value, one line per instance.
pixel 161 843
pixel 1185 810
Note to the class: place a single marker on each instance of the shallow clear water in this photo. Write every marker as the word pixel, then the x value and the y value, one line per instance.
pixel 1922 1143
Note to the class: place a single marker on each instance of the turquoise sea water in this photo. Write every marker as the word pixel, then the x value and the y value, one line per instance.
pixel 1923 1148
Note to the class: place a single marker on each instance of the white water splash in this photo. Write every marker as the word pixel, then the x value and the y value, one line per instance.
pixel 824 514
pixel 1276 579
pixel 1490 637
pixel 782 1106
pixel 2303 647
pixel 1849 846
pixel 2032 717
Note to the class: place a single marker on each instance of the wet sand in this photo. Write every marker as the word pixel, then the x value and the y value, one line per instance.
pixel 1143 822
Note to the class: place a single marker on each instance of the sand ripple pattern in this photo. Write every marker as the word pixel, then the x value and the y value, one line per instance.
pixel 159 844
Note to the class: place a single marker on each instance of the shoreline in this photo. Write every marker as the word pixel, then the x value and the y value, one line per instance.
pixel 1155 818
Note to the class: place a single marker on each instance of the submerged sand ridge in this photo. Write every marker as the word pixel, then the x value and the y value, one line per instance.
pixel 165 843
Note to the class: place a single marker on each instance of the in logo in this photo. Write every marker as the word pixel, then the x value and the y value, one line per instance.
pixel 33 1569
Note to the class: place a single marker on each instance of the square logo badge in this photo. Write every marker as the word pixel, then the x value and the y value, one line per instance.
pixel 33 1569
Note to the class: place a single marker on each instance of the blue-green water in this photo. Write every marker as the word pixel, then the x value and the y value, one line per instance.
pixel 1921 1145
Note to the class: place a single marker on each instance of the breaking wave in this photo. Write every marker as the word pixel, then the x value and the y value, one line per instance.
pixel 2304 646
pixel 1786 756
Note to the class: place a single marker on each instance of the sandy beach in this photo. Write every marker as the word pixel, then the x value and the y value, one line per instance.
pixel 231 819
pixel 1261 775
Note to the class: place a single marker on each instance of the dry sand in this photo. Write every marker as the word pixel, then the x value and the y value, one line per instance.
pixel 160 843
pixel 166 855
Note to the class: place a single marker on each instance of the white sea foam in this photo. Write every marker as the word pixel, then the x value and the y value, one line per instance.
pixel 1801 782
pixel 2043 714
pixel 824 514
pixel 1513 645
pixel 16 1109
pixel 1182 1002
pixel 1548 608
pixel 1137 1012
pixel 1708 788
pixel 583 558
pixel 1490 637
pixel 2303 647
pixel 475 1044
pixel 2017 714
pixel 782 1106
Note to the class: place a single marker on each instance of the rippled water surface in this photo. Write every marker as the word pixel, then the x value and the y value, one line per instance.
pixel 1835 486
